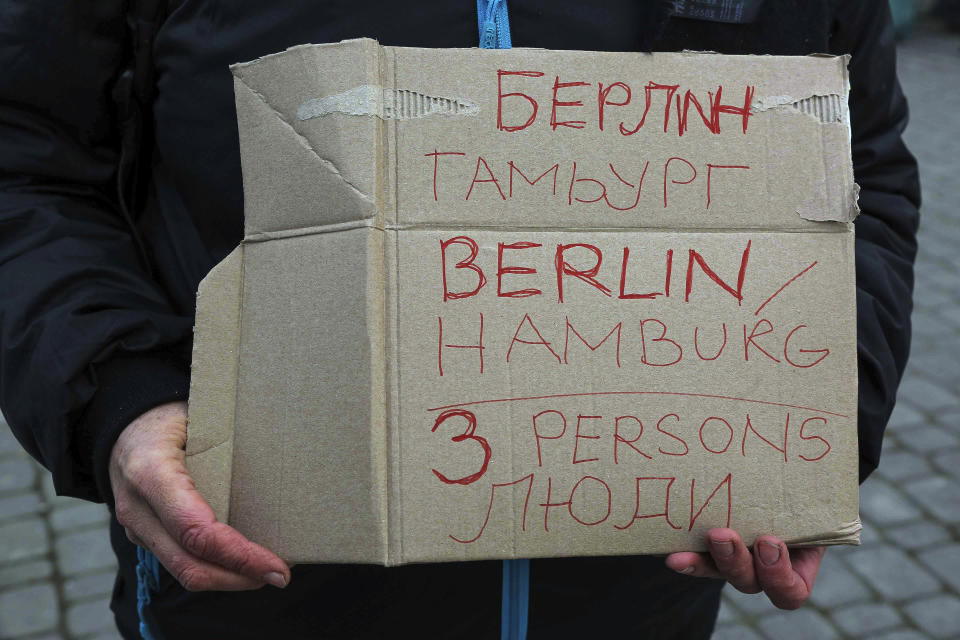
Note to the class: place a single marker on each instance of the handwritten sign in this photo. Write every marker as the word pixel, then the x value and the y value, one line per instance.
pixel 533 303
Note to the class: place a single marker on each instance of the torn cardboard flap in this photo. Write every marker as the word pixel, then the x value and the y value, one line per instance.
pixel 304 172
pixel 622 187
pixel 526 303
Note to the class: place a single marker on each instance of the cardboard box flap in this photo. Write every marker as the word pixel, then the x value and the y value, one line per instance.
pixel 330 110
pixel 309 436
pixel 832 180
pixel 624 140
pixel 213 382
pixel 305 177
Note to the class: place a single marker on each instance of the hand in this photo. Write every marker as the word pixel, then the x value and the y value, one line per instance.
pixel 785 575
pixel 161 510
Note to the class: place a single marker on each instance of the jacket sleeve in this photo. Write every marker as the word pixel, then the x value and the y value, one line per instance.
pixel 88 340
pixel 887 226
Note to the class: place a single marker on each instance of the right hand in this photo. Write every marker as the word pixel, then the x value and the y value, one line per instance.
pixel 161 510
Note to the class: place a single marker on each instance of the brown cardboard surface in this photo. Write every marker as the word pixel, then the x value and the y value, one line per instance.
pixel 666 312
pixel 210 449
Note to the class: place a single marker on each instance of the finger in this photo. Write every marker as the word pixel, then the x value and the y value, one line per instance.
pixel 776 576
pixel 732 559
pixel 806 563
pixel 134 538
pixel 170 493
pixel 193 573
pixel 696 565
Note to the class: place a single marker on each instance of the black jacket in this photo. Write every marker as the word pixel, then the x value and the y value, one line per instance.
pixel 93 332
pixel 90 336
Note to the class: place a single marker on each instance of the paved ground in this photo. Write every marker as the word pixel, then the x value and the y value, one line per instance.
pixel 56 567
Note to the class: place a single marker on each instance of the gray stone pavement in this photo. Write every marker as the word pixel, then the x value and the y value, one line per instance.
pixel 56 567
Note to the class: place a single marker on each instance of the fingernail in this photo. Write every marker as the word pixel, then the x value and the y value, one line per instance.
pixel 723 548
pixel 685 571
pixel 769 553
pixel 276 579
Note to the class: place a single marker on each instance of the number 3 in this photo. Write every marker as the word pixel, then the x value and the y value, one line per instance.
pixel 466 435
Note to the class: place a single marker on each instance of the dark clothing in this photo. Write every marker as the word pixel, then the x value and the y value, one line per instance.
pixel 569 598
pixel 92 335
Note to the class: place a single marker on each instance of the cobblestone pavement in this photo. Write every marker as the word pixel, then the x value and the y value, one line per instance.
pixel 56 566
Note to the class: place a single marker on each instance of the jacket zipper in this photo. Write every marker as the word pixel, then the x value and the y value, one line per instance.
pixel 493 23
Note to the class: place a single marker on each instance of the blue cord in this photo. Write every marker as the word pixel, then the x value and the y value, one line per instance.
pixel 148 579
pixel 516 600
pixel 493 23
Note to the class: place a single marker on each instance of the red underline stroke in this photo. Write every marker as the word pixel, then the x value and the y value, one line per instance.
pixel 640 393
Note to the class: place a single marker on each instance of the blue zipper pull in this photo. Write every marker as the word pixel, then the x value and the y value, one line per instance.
pixel 488 35
pixel 493 23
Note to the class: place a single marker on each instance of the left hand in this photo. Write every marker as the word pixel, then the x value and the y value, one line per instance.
pixel 785 575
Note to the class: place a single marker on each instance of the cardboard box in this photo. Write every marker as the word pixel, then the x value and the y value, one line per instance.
pixel 521 303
